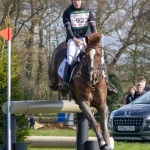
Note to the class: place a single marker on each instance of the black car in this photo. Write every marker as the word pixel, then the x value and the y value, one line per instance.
pixel 132 121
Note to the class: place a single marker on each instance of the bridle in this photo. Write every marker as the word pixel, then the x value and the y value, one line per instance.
pixel 94 47
pixel 90 69
pixel 87 70
pixel 84 71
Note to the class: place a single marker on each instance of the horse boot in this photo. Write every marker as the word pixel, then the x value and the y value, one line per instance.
pixel 102 144
pixel 105 147
pixel 64 87
pixel 110 87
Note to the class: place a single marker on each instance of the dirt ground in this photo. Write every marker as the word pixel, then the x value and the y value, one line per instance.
pixel 47 126
pixel 38 125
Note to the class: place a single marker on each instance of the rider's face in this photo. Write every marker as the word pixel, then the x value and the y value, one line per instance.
pixel 77 3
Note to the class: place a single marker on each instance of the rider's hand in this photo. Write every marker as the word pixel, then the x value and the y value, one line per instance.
pixel 77 42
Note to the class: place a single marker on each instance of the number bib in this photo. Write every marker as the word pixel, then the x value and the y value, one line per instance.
pixel 79 19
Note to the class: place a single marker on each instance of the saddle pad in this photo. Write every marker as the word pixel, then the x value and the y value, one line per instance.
pixel 62 67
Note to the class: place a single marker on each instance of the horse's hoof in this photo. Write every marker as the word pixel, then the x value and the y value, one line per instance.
pixel 104 147
pixel 54 88
pixel 111 142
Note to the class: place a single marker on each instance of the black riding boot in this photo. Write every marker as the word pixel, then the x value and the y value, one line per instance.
pixel 110 87
pixel 64 87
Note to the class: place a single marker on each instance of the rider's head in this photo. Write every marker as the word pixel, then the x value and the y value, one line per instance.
pixel 77 3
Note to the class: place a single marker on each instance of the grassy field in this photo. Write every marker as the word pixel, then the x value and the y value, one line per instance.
pixel 65 132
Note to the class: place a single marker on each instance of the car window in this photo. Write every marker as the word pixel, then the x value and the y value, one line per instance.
pixel 144 99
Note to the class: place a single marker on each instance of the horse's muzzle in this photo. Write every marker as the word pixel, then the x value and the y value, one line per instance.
pixel 94 75
pixel 93 78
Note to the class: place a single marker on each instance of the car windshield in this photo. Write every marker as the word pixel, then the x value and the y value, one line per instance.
pixel 144 99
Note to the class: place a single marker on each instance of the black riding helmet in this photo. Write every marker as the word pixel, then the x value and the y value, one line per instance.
pixel 76 0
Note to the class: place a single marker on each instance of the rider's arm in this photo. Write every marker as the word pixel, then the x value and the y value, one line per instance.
pixel 69 30
pixel 91 22
pixel 67 24
pixel 71 35
pixel 92 27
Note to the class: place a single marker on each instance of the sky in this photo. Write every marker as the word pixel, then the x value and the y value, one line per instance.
pixel 107 40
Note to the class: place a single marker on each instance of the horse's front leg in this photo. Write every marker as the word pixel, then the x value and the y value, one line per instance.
pixel 85 107
pixel 103 112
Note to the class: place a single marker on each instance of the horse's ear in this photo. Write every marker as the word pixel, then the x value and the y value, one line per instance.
pixel 99 37
pixel 87 39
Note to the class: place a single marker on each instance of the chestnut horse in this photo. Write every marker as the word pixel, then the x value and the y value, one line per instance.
pixel 88 85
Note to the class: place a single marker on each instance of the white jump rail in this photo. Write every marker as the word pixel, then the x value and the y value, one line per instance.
pixel 58 142
pixel 43 106
pixel 54 141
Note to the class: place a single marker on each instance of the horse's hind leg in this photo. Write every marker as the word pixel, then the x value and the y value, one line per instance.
pixel 54 85
pixel 85 107
pixel 54 79
pixel 103 112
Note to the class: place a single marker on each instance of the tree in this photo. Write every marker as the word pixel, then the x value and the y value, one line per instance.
pixel 114 99
pixel 16 90
pixel 38 29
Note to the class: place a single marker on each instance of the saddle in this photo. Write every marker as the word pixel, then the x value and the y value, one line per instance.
pixel 66 88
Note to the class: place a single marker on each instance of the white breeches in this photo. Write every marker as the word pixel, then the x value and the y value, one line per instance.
pixel 73 50
pixel 102 57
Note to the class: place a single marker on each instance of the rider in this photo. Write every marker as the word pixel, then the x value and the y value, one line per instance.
pixel 78 20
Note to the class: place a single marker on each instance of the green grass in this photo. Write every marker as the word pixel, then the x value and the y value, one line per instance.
pixel 64 132
pixel 53 132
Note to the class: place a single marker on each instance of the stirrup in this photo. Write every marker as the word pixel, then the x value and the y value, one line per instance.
pixel 64 88
pixel 64 84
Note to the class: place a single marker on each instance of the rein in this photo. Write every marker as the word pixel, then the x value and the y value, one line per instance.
pixel 85 71
pixel 94 47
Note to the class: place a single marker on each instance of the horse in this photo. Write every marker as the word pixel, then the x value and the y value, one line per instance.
pixel 87 85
